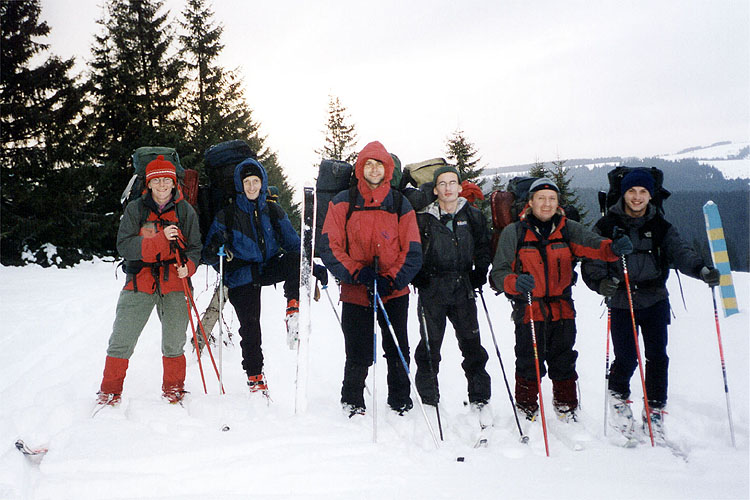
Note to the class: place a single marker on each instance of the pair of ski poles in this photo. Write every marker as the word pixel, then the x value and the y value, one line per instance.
pixel 640 361
pixel 191 307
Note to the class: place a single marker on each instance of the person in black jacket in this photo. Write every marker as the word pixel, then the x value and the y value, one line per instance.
pixel 657 245
pixel 456 257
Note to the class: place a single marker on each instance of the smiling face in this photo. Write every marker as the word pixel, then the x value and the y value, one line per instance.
pixel 161 189
pixel 636 201
pixel 544 204
pixel 374 172
pixel 252 185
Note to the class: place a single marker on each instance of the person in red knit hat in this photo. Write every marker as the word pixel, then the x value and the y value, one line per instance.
pixel 160 240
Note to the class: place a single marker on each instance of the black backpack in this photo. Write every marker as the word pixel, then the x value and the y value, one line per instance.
pixel 610 197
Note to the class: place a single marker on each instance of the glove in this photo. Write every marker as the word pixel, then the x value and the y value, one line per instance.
pixel 622 245
pixel 385 285
pixel 421 280
pixel 366 276
pixel 711 276
pixel 478 277
pixel 321 273
pixel 608 286
pixel 524 283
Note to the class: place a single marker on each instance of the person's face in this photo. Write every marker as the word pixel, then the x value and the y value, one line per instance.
pixel 636 201
pixel 447 188
pixel 544 204
pixel 252 185
pixel 373 172
pixel 161 189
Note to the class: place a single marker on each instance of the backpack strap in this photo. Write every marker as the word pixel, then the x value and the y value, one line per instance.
pixel 398 200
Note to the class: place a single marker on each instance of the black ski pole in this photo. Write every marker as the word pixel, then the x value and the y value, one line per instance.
pixel 524 438
pixel 433 375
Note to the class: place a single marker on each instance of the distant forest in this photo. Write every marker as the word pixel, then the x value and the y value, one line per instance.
pixel 692 185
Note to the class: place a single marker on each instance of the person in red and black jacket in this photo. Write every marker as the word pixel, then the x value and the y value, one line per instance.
pixel 535 256
pixel 160 240
pixel 371 221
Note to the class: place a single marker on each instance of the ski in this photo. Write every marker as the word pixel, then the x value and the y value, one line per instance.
pixel 306 294
pixel 33 454
pixel 718 245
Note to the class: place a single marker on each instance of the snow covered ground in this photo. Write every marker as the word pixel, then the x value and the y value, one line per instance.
pixel 724 157
pixel 55 326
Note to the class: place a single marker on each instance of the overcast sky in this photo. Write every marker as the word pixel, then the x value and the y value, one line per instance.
pixel 524 80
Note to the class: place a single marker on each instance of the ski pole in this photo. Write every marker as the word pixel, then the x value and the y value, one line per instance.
pixel 195 337
pixel 606 369
pixel 637 348
pixel 723 366
pixel 406 366
pixel 538 376
pixel 221 255
pixel 426 340
pixel 203 332
pixel 375 354
pixel 333 306
pixel 524 438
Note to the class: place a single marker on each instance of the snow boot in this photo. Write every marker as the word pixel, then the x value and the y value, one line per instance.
pixel 483 410
pixel 173 381
pixel 526 397
pixel 114 375
pixel 351 410
pixel 620 414
pixel 292 323
pixel 565 399
pixel 257 383
pixel 657 424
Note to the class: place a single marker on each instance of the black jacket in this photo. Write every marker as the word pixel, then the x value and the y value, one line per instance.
pixel 449 256
pixel 657 247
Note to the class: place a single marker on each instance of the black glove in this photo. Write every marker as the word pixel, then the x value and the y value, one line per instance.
pixel 421 280
pixel 478 277
pixel 321 273
pixel 710 275
pixel 524 283
pixel 608 286
pixel 385 285
pixel 366 276
pixel 622 245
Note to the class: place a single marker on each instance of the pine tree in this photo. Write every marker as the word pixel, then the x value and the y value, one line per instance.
pixel 340 138
pixel 44 185
pixel 538 170
pixel 136 82
pixel 215 108
pixel 568 198
pixel 463 153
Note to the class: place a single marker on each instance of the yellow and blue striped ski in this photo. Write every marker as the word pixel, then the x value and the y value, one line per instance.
pixel 720 256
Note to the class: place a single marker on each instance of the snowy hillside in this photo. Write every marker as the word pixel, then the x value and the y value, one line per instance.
pixel 56 323
pixel 732 159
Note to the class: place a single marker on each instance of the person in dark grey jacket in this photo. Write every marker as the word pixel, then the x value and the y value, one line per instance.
pixel 456 257
pixel 657 246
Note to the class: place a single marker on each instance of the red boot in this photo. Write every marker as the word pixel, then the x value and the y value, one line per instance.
pixel 114 375
pixel 172 387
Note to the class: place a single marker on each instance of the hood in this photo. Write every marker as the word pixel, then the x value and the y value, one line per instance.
pixel 241 200
pixel 434 208
pixel 375 151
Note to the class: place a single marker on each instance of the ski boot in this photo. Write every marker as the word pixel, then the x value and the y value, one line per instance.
pixel 292 323
pixel 351 410
pixel 657 424
pixel 621 415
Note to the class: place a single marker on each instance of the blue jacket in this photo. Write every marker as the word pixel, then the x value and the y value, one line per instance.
pixel 253 240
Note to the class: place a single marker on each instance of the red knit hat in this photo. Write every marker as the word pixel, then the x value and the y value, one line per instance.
pixel 160 168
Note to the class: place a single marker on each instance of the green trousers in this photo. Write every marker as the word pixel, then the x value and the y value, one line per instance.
pixel 133 311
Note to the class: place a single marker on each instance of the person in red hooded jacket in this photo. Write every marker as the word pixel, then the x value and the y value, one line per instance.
pixel 160 240
pixel 370 238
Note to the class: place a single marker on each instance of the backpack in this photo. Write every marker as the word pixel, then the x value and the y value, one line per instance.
pixel 219 162
pixel 613 194
pixel 334 176
pixel 187 180
pixel 422 172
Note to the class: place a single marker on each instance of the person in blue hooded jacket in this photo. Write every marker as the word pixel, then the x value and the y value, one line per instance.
pixel 262 248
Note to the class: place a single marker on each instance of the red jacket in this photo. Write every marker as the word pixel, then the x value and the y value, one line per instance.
pixel 377 230
pixel 550 263
pixel 141 242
